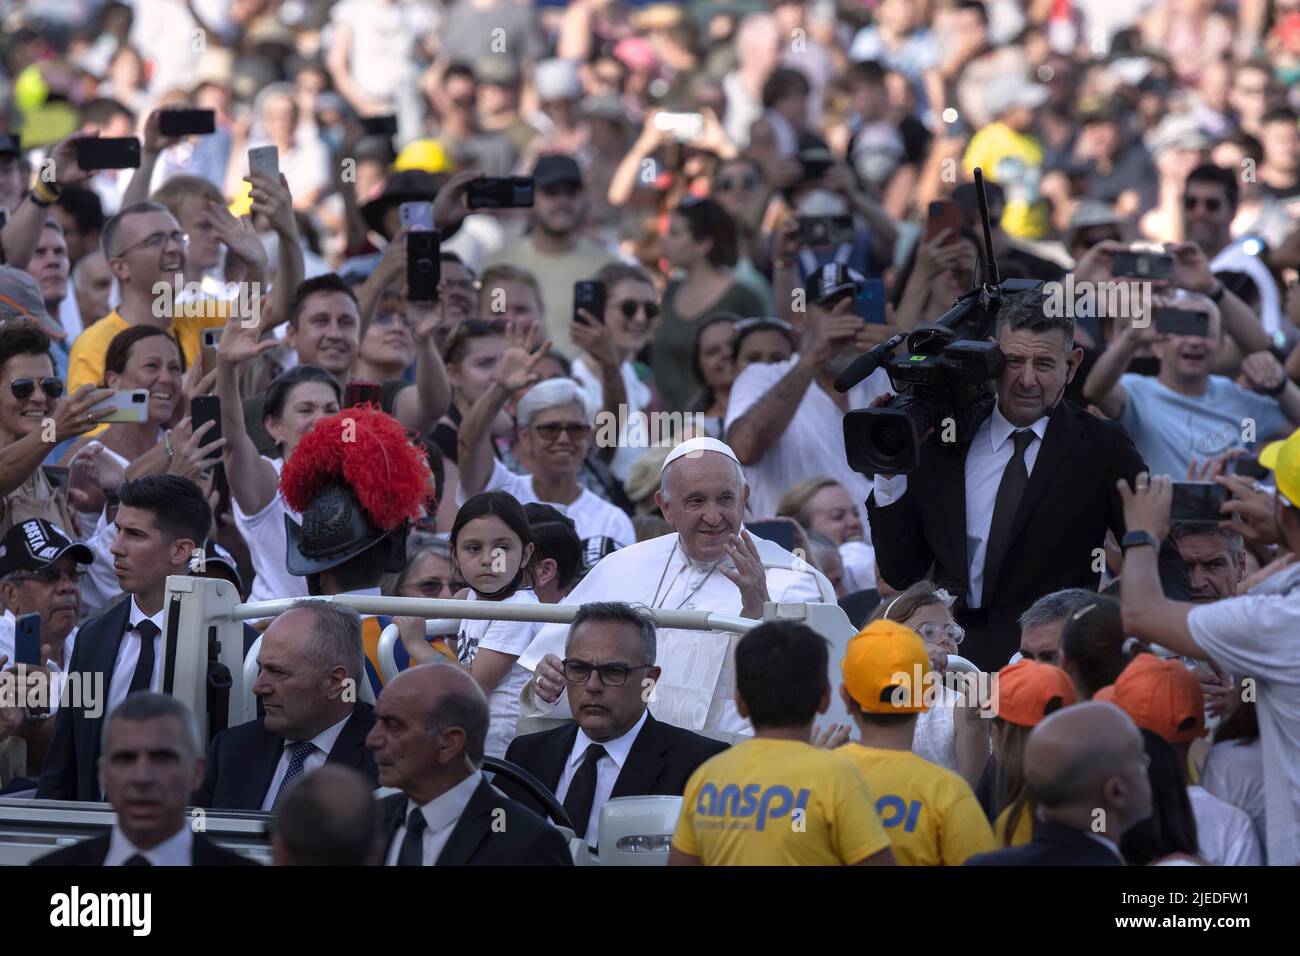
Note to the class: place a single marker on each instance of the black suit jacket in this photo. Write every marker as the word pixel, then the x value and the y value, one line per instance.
pixel 661 760
pixel 524 840
pixel 71 764
pixel 242 760
pixel 1069 503
pixel 92 852
pixel 1053 845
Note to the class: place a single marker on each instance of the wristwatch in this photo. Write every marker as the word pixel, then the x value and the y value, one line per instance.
pixel 1132 539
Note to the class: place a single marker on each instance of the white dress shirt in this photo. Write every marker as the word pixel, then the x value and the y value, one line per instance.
pixel 440 816
pixel 987 458
pixel 128 655
pixel 176 850
pixel 324 742
pixel 608 768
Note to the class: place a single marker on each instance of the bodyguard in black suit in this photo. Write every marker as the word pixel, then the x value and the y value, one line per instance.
pixel 1053 845
pixel 311 662
pixel 151 762
pixel 1040 476
pixel 161 520
pixel 430 727
pixel 614 747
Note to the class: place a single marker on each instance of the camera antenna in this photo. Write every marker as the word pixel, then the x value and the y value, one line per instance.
pixel 991 275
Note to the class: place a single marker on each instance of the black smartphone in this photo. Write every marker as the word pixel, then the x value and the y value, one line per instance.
pixel 869 301
pixel 361 393
pixel 379 125
pixel 1250 467
pixel 1171 321
pixel 97 152
pixel 781 532
pixel 187 122
pixel 206 408
pixel 500 192
pixel 945 214
pixel 27 640
pixel 591 297
pixel 1198 501
pixel 1144 265
pixel 423 266
pixel 825 230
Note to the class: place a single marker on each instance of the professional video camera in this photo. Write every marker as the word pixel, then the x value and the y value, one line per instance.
pixel 943 374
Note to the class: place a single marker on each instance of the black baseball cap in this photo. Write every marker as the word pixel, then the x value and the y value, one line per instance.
pixel 831 282
pixel 36 544
pixel 9 146
pixel 556 170
pixel 216 562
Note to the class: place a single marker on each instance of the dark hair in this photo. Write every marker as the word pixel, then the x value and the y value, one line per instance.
pixel 1210 173
pixel 319 829
pixel 706 397
pixel 783 82
pixel 1010 785
pixel 506 507
pixel 1241 724
pixel 866 73
pixel 706 219
pixel 1248 144
pixel 457 343
pixel 102 111
pixel 781 674
pixel 84 206
pixel 178 505
pixel 147 705
pixel 119 350
pixel 619 613
pixel 762 325
pixel 1028 311
pixel 1171 827
pixel 22 337
pixel 977 7
pixel 277 393
pixel 1278 114
pixel 329 282
pixel 555 536
pixel 1092 645
pixel 459 68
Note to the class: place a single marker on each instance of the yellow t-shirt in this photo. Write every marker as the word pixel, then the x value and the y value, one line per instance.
pixel 86 358
pixel 930 814
pixel 1024 831
pixel 1015 162
pixel 771 802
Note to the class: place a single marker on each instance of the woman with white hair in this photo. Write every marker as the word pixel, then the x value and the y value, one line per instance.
pixel 554 431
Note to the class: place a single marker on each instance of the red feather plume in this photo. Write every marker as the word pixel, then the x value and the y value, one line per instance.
pixel 369 452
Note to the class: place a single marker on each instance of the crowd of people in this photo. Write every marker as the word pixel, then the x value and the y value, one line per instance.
pixel 660 234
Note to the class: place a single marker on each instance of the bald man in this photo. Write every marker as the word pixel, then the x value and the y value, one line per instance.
pixel 431 724
pixel 1087 771
pixel 328 818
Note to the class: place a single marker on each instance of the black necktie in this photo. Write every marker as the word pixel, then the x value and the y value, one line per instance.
pixel 582 791
pixel 142 679
pixel 1005 506
pixel 412 852
pixel 136 860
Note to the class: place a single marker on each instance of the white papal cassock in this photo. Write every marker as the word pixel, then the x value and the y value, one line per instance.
pixel 697 687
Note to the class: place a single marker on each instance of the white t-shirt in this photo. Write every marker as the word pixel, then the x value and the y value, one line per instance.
pixel 1255 636
pixel 384 37
pixel 633 430
pixel 505 637
pixel 592 517
pixel 1224 834
pixel 935 738
pixel 812 444
pixel 1234 771
pixel 268 546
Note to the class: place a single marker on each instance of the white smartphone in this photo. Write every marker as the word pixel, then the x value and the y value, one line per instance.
pixel 417 215
pixel 130 407
pixel 265 160
pixel 684 126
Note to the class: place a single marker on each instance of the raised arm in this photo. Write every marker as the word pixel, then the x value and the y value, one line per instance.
pixel 151 148
pixel 252 480
pixel 274 201
pixel 72 417
pixel 23 231
pixel 419 406
pixel 593 337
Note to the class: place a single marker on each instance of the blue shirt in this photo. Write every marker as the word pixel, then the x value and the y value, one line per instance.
pixel 1170 429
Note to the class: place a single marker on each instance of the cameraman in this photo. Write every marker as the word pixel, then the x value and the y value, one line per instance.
pixel 1021 510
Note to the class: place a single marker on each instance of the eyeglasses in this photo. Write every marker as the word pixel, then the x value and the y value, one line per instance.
pixel 611 675
pixel 629 309
pixel 156 242
pixel 936 632
pixel 726 184
pixel 24 387
pixel 550 431
pixel 48 576
pixel 1211 203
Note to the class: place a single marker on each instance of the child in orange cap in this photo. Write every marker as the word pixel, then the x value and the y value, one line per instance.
pixel 1164 697
pixel 1024 693
pixel 930 813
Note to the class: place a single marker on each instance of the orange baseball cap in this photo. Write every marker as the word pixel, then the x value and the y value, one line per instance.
pixel 1161 695
pixel 884 668
pixel 1027 691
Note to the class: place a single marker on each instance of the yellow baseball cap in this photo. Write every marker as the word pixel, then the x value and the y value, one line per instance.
pixel 884 666
pixel 1283 459
pixel 424 154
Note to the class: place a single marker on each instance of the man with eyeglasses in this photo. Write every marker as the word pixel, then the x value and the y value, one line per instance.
pixel 613 747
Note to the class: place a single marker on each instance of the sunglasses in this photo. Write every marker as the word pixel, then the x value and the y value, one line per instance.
pixel 550 431
pixel 629 309
pixel 24 387
pixel 726 184
pixel 1211 203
